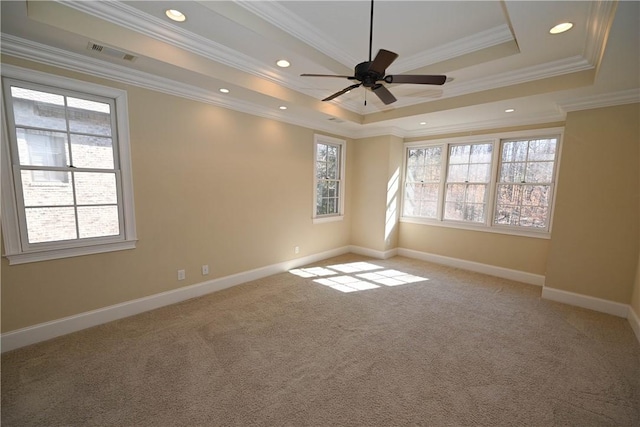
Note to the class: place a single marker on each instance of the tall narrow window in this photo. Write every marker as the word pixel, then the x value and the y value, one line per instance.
pixel 422 182
pixel 468 180
pixel 329 172
pixel 67 179
pixel 525 182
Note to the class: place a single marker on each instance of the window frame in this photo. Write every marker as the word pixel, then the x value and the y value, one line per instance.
pixel 16 249
pixel 488 225
pixel 342 144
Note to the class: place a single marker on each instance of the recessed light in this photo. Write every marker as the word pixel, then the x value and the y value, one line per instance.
pixel 509 110
pixel 283 63
pixel 223 90
pixel 561 28
pixel 175 15
pixel 423 123
pixel 282 107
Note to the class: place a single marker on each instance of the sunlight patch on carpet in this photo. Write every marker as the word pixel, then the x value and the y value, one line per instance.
pixel 357 276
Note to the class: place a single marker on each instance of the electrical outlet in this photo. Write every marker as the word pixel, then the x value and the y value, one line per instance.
pixel 181 275
pixel 205 270
pixel 296 250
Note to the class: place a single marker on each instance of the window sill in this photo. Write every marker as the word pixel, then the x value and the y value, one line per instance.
pixel 50 254
pixel 329 218
pixel 543 234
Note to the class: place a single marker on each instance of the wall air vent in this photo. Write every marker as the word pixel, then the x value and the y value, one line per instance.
pixel 110 52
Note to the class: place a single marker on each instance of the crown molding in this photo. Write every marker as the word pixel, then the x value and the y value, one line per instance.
pixel 47 55
pixel 559 67
pixel 128 17
pixel 282 18
pixel 488 124
pixel 599 22
pixel 537 72
pixel 482 40
pixel 630 96
pixel 37 52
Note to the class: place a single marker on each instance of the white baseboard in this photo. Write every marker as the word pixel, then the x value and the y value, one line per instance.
pixel 492 270
pixel 372 252
pixel 634 321
pixel 585 301
pixel 44 331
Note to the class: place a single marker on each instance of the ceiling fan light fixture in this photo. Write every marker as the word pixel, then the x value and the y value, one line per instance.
pixel 224 90
pixel 175 15
pixel 283 63
pixel 561 28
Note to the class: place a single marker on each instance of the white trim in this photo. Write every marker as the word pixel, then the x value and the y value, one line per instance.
pixel 470 44
pixel 33 51
pixel 480 227
pixel 492 270
pixel 630 96
pixel 634 321
pixel 19 251
pixel 585 301
pixel 496 139
pixel 45 255
pixel 329 218
pixel 359 250
pixel 48 330
pixel 328 140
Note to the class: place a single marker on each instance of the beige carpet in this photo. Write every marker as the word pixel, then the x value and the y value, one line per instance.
pixel 458 349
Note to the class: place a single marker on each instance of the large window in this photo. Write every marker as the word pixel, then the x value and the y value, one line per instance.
pixel 502 184
pixel 328 178
pixel 67 188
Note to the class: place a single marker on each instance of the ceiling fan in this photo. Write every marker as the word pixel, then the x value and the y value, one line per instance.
pixel 371 74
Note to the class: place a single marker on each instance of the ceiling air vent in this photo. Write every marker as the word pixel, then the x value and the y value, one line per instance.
pixel 335 120
pixel 110 52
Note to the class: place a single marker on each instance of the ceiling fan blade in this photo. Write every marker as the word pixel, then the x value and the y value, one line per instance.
pixel 383 59
pixel 343 91
pixel 327 75
pixel 384 94
pixel 420 79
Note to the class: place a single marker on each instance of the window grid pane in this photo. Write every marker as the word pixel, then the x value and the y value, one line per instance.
pixel 328 178
pixel 422 182
pixel 468 177
pixel 526 180
pixel 60 141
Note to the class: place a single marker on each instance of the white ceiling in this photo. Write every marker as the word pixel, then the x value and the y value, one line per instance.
pixel 497 54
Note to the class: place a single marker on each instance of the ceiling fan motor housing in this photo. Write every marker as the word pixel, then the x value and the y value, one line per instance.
pixel 366 76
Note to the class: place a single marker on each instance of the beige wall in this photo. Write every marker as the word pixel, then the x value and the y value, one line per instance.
pixel 212 186
pixel 376 192
pixel 594 247
pixel 501 250
pixel 218 187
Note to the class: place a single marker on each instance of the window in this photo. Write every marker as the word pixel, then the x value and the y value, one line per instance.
pixel 422 188
pixel 68 190
pixel 498 183
pixel 328 178
pixel 525 182
pixel 468 178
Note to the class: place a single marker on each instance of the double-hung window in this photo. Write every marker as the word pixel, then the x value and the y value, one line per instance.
pixel 329 160
pixel 67 186
pixel 500 183
pixel 468 177
pixel 525 182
